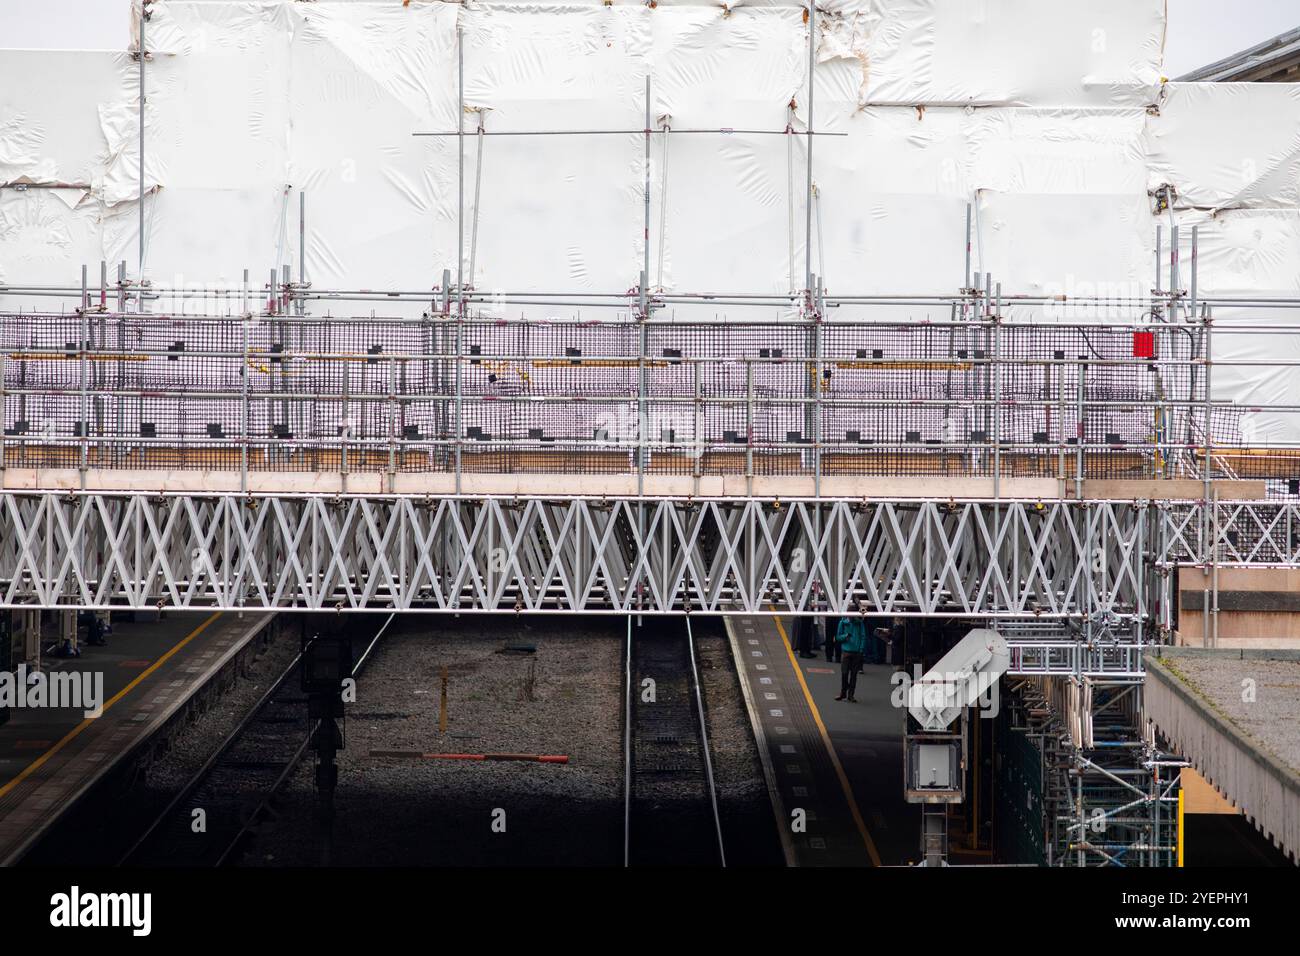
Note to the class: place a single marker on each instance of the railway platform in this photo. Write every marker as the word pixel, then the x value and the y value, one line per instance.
pixel 51 757
pixel 838 762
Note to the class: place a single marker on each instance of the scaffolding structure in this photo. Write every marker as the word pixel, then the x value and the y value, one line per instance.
pixel 1105 795
pixel 980 398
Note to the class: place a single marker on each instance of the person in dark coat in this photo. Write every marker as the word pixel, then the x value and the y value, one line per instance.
pixel 804 631
pixel 832 647
pixel 878 634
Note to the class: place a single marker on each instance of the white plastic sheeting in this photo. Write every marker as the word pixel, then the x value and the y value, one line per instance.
pixel 1256 253
pixel 1012 52
pixel 1048 115
pixel 1227 145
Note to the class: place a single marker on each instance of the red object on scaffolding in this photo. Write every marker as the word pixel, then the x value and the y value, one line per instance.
pixel 1144 345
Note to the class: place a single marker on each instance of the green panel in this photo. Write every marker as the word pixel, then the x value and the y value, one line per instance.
pixel 1018 796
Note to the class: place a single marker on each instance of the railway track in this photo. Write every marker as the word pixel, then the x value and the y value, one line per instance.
pixel 670 799
pixel 237 783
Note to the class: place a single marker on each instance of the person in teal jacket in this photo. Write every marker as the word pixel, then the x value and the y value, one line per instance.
pixel 851 635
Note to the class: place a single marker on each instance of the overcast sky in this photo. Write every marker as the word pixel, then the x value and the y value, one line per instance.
pixel 1200 31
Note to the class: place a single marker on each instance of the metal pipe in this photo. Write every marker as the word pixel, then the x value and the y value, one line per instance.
pixel 997 397
pixel 722 131
pixel 392 426
pixel 789 173
pixel 83 427
pixel 144 16
pixel 243 402
pixel 1174 280
pixel 1213 504
pixel 346 437
pixel 749 427
pixel 460 170
pixel 699 428
pixel 816 407
pixel 645 248
pixel 105 355
pixel 478 182
pixel 460 429
pixel 968 247
pixel 663 212
pixel 812 64
pixel 3 417
pixel 1080 432
pixel 1160 262
pixel 302 251
pixel 642 460
pixel 627 746
pixel 779 300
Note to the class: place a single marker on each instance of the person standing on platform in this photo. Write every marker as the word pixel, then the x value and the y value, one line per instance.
pixel 851 635
pixel 804 628
pixel 832 648
pixel 878 629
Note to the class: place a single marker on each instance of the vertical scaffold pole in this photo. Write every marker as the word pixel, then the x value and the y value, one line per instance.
pixel 1209 509
pixel 83 427
pixel 643 424
pixel 243 396
pixel 1160 258
pixel 460 236
pixel 119 450
pixel 478 191
pixel 344 465
pixel 986 319
pixel 749 427
pixel 302 251
pixel 997 397
pixel 2 417
pixel 818 371
pixel 645 251
pixel 1080 428
pixel 1174 278
pixel 968 246
pixel 789 175
pixel 460 169
pixel 144 16
pixel 460 405
pixel 392 424
pixel 699 426
pixel 812 64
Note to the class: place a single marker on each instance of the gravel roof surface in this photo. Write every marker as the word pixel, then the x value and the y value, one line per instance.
pixel 1272 718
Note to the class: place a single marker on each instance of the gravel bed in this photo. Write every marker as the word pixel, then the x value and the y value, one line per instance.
pixel 198 740
pixel 396 811
pixel 748 825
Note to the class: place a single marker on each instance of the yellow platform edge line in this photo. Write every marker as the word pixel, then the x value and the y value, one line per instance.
pixel 72 734
pixel 830 749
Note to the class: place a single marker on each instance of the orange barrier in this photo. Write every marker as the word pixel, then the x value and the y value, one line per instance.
pixel 417 755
